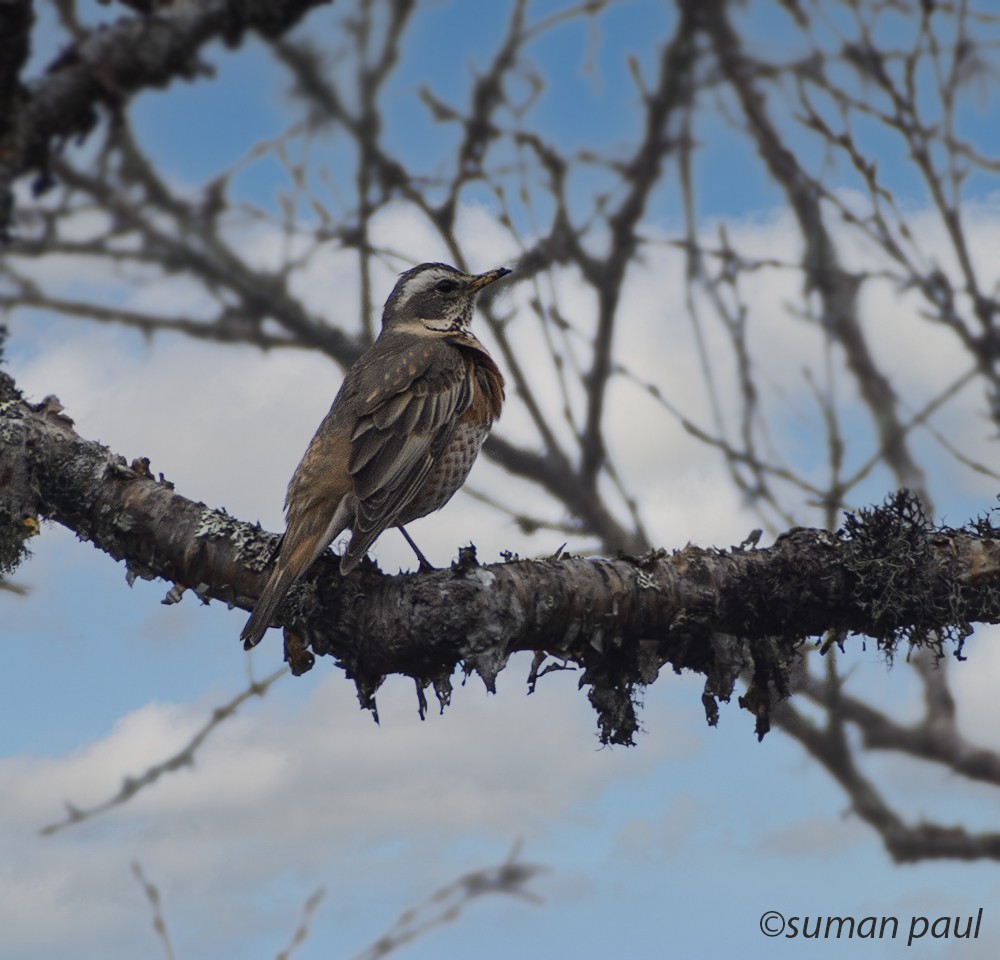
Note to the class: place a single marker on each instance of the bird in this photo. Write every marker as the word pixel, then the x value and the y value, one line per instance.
pixel 401 436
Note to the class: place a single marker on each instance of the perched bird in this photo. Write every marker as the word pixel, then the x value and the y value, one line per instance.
pixel 402 434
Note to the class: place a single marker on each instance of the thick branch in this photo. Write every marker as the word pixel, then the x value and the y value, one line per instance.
pixel 935 737
pixel 111 65
pixel 904 842
pixel 888 574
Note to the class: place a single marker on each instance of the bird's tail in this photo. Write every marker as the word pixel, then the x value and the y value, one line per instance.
pixel 280 582
pixel 308 535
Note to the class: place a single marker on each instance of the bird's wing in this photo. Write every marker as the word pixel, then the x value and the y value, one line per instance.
pixel 405 420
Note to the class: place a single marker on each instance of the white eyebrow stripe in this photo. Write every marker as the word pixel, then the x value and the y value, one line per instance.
pixel 423 281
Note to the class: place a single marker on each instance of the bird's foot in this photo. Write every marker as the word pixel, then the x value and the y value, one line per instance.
pixel 424 565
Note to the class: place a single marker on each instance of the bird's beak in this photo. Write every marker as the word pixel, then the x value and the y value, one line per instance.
pixel 484 279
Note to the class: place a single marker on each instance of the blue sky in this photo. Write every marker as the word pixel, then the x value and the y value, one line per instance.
pixel 676 846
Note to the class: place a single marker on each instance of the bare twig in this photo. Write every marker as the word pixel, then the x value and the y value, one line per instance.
pixel 152 894
pixel 183 758
pixel 302 930
pixel 445 905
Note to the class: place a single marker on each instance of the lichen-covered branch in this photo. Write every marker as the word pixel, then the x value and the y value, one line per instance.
pixel 722 613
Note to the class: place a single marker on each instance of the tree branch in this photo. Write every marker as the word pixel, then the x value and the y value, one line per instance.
pixel 905 843
pixel 183 758
pixel 837 288
pixel 107 67
pixel 888 573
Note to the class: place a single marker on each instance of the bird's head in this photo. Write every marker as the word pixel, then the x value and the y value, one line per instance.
pixel 436 297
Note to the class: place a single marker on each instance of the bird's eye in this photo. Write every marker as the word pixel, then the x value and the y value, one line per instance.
pixel 446 286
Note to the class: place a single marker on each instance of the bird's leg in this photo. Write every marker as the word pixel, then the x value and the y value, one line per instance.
pixel 425 564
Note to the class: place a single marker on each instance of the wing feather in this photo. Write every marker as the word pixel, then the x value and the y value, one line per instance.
pixel 404 425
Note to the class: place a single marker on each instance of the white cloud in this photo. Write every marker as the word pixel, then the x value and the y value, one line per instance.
pixel 285 783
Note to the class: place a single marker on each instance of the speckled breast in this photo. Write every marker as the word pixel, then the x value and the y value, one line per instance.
pixel 449 473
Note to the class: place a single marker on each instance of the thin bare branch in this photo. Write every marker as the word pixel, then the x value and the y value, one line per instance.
pixel 152 895
pixel 511 878
pixel 183 758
